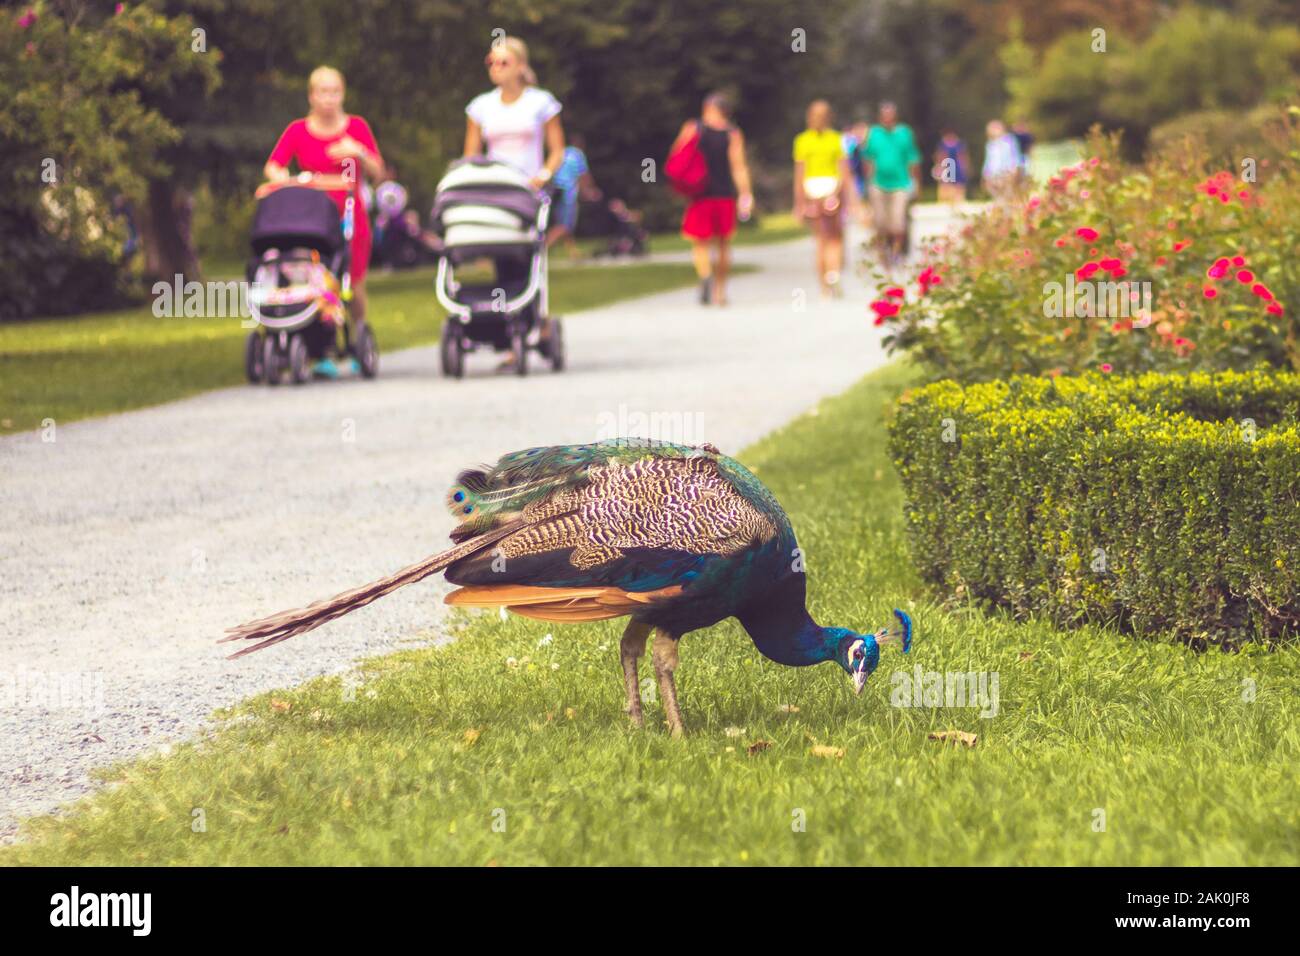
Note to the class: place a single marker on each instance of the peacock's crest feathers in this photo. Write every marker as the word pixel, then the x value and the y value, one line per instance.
pixel 483 497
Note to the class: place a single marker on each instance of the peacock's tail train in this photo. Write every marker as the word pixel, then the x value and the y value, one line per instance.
pixel 286 624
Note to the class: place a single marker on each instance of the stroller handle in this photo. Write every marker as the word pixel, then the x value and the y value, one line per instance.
pixel 324 182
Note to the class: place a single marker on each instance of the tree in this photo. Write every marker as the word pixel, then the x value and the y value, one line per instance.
pixel 77 133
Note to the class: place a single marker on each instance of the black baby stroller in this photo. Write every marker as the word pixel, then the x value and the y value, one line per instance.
pixel 301 284
pixel 488 210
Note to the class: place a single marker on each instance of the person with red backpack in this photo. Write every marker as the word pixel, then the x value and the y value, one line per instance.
pixel 707 163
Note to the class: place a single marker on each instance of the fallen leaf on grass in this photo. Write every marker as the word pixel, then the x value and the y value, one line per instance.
pixel 1026 655
pixel 280 706
pixel 822 750
pixel 471 736
pixel 757 747
pixel 956 737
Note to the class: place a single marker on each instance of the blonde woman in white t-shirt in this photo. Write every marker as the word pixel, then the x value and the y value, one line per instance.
pixel 517 122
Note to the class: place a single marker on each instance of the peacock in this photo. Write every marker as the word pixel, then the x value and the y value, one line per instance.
pixel 674 537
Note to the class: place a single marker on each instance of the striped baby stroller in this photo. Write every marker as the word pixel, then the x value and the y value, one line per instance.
pixel 485 209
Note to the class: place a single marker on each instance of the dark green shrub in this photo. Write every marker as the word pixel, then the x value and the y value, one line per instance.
pixel 1163 504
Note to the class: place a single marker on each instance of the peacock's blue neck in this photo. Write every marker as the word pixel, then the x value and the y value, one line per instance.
pixel 783 630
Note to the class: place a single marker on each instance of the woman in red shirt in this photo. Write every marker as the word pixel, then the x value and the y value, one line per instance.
pixel 330 142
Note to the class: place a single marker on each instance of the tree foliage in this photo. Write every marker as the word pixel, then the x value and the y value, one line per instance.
pixel 80 126
pixel 1196 59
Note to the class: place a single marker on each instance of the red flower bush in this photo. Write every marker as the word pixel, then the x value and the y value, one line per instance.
pixel 1124 232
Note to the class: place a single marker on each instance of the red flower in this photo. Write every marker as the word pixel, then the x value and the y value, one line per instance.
pixel 1274 308
pixel 1261 290
pixel 1107 367
pixel 1060 243
pixel 1116 273
pixel 1087 233
pixel 884 309
pixel 1238 260
pixel 1245 275
pixel 927 278
pixel 27 19
pixel 1182 244
pixel 1210 292
pixel 1085 270
pixel 1218 270
pixel 1161 260
pixel 895 292
pixel 1111 264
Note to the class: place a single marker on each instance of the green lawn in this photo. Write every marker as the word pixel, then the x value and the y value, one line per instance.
pixel 73 368
pixel 436 746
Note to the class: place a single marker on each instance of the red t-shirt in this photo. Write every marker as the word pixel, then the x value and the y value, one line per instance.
pixel 298 144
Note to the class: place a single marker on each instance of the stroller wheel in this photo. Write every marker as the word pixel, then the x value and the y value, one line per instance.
pixel 254 359
pixel 272 364
pixel 554 344
pixel 366 350
pixel 451 350
pixel 299 360
pixel 519 348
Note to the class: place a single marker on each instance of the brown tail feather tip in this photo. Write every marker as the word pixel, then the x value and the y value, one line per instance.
pixel 286 624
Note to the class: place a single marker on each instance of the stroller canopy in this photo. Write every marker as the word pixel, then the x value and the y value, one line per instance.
pixel 297 216
pixel 482 203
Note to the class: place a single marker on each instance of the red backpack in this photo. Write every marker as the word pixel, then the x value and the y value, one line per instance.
pixel 686 169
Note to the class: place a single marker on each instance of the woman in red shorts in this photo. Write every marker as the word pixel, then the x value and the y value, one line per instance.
pixel 711 216
pixel 330 142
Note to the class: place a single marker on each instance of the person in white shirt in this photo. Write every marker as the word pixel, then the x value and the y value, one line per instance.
pixel 517 122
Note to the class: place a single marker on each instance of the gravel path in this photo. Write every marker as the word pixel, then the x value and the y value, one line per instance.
pixel 132 542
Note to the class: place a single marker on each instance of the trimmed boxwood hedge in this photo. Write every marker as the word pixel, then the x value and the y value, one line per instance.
pixel 1162 504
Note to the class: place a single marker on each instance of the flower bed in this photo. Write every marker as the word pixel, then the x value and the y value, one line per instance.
pixel 1159 503
pixel 1169 266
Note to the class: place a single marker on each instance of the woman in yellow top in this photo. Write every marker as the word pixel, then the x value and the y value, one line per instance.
pixel 821 190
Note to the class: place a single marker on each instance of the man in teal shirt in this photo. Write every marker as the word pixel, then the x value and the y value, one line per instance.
pixel 893 165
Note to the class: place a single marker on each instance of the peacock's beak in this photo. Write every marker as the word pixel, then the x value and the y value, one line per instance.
pixel 860 680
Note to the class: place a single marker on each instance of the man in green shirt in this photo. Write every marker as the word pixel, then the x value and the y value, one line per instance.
pixel 893 169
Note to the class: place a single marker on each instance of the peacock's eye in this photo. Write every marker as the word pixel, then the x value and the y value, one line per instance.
pixel 857 654
pixel 459 496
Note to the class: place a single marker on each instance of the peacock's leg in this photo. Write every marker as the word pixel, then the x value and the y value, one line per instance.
pixel 664 651
pixel 630 650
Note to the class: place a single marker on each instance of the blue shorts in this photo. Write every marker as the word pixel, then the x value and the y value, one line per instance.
pixel 566 211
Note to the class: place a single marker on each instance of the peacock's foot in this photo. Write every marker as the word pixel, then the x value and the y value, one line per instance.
pixel 664 654
pixel 631 648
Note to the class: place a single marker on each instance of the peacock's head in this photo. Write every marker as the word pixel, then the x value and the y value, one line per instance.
pixel 859 654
